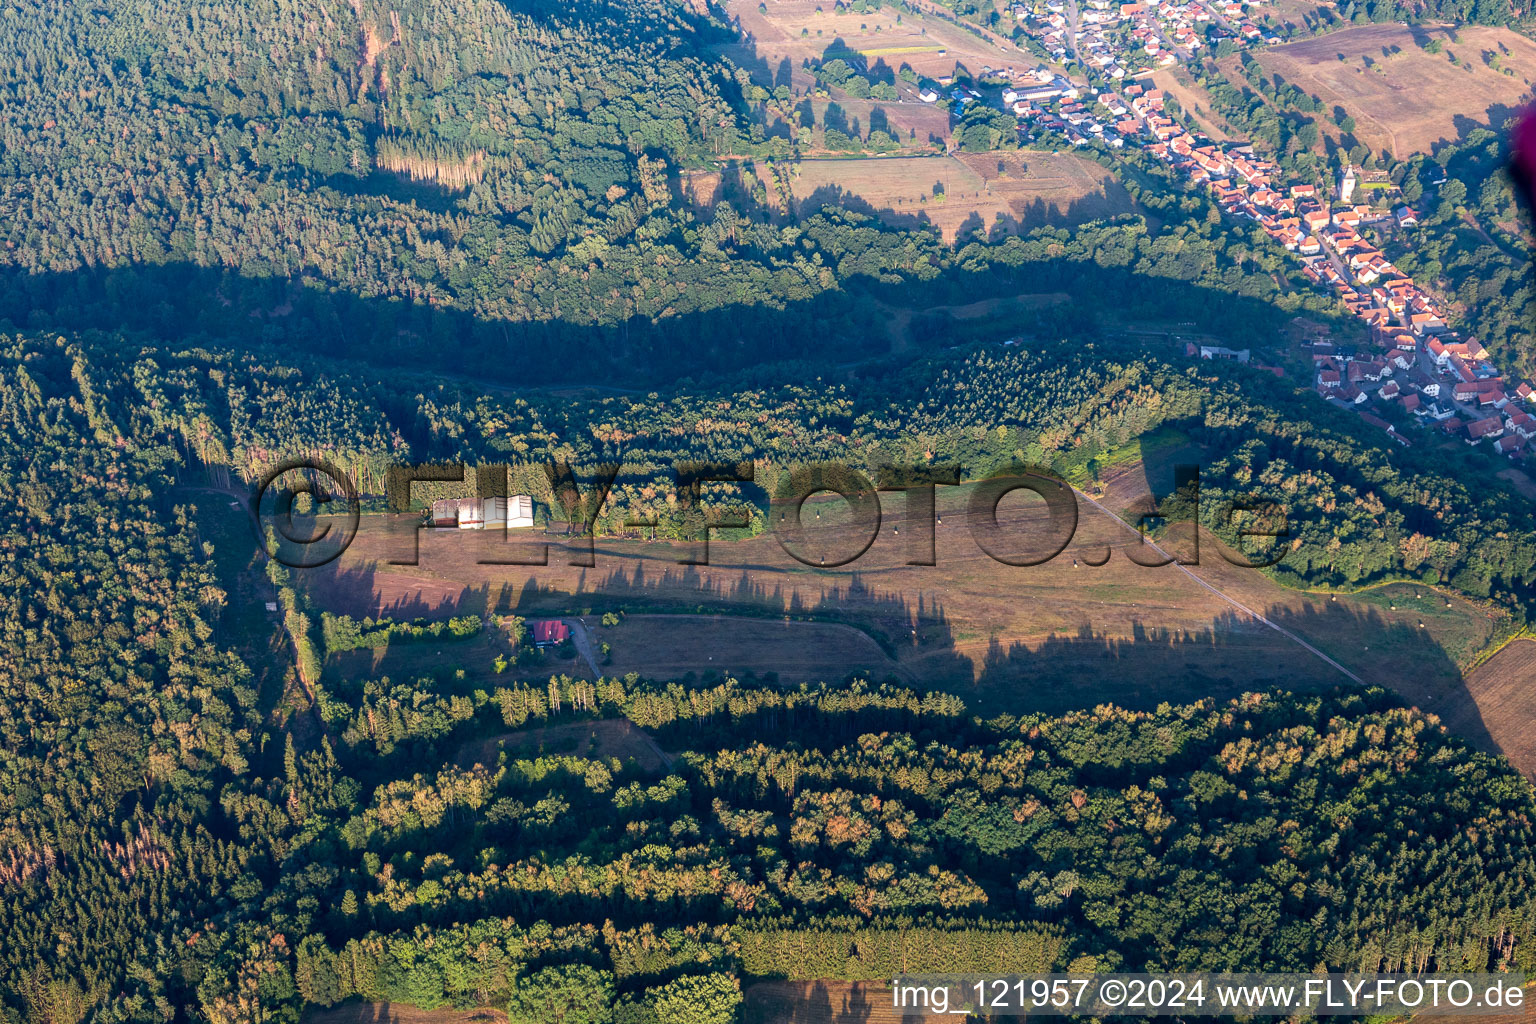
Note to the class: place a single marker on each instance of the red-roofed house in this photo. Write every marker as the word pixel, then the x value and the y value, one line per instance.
pixel 1493 426
pixel 547 632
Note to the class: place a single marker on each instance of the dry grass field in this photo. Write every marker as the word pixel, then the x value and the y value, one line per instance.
pixel 414 658
pixel 1192 100
pixel 911 123
pixel 669 646
pixel 1055 636
pixel 1402 97
pixel 1024 189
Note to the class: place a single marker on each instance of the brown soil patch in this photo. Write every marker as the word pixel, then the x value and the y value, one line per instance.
pixel 1403 98
pixel 1503 706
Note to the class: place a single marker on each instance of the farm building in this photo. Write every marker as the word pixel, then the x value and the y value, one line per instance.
pixel 548 632
pixel 457 513
pixel 479 514
pixel 514 513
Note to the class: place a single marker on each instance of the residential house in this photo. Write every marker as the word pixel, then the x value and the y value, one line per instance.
pixel 1491 427
pixel 549 632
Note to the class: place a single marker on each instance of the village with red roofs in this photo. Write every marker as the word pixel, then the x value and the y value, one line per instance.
pixel 1416 363
pixel 1443 378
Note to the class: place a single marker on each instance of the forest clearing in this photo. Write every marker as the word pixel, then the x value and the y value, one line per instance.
pixel 1021 190
pixel 1061 635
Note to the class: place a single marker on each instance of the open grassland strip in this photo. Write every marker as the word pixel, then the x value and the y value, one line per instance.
pixel 1256 616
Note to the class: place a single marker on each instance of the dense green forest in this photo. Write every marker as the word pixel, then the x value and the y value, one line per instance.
pixel 500 185
pixel 171 855
pixel 358 230
pixel 176 850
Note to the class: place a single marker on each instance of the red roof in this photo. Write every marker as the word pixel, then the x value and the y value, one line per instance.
pixel 550 631
pixel 1482 428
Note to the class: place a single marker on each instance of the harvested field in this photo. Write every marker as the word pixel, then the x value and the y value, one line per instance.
pixel 1503 705
pixel 1018 190
pixel 1402 97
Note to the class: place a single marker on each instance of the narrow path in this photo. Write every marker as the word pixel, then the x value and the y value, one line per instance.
pixel 1256 616
pixel 581 636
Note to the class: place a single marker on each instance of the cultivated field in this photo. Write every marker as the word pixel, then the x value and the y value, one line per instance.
pixel 777 43
pixel 1051 637
pixel 1402 97
pixel 1503 704
pixel 1020 190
